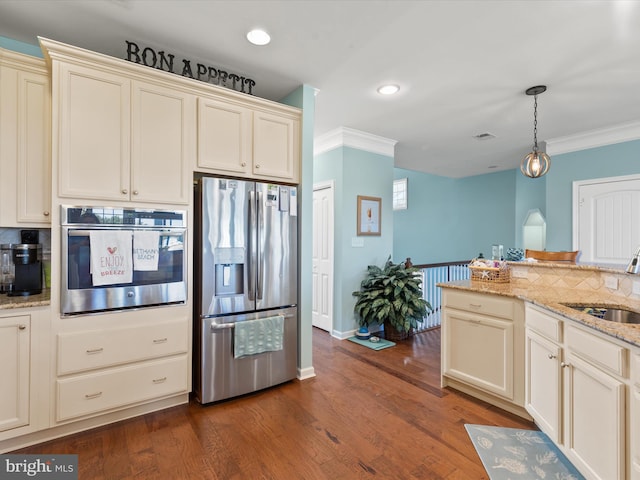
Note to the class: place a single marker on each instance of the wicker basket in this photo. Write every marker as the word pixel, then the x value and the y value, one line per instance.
pixel 491 274
pixel 393 334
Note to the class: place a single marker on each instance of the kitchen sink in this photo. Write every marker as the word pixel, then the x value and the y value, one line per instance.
pixel 612 314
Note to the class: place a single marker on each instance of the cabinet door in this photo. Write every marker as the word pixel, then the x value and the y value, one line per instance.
pixel 275 146
pixel 594 419
pixel 34 150
pixel 163 142
pixel 543 384
pixel 478 350
pixel 224 137
pixel 14 357
pixel 634 413
pixel 25 153
pixel 94 134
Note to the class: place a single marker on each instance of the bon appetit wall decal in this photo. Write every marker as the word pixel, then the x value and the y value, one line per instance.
pixel 166 62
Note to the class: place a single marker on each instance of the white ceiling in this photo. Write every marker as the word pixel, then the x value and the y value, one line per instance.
pixel 462 65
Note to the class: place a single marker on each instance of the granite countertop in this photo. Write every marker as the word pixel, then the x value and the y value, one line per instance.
pixel 38 300
pixel 553 298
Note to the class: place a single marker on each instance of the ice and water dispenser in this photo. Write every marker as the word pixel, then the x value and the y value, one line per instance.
pixel 229 271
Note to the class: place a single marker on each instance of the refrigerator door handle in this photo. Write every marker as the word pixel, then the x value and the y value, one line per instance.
pixel 230 325
pixel 252 240
pixel 259 252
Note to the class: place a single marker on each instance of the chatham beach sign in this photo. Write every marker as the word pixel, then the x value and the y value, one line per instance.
pixel 166 62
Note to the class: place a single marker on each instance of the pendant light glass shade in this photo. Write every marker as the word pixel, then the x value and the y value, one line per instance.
pixel 535 164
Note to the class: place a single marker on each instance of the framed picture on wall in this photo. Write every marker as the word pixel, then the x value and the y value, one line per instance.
pixel 369 211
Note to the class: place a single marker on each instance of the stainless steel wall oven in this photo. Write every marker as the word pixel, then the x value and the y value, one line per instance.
pixel 117 258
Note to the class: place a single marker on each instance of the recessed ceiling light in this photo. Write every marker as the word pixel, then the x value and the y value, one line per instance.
pixel 258 37
pixel 388 89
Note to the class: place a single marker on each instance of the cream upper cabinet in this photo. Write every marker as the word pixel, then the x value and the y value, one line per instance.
pixel 14 356
pixel 163 143
pixel 275 146
pixel 224 137
pixel 94 134
pixel 122 139
pixel 245 140
pixel 25 141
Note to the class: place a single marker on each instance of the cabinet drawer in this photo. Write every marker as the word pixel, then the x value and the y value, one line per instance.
pixel 544 324
pixel 118 387
pixel 604 354
pixel 83 351
pixel 479 303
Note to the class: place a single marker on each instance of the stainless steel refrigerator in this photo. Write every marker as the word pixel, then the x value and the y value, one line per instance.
pixel 246 270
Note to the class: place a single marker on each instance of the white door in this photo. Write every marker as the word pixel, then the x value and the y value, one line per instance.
pixel 322 308
pixel 606 214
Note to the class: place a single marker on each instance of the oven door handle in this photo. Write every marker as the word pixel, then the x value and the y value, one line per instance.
pixel 85 233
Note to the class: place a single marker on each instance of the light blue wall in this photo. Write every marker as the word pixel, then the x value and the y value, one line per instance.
pixel 530 194
pixel 21 47
pixel 304 97
pixel 608 161
pixel 355 172
pixel 454 219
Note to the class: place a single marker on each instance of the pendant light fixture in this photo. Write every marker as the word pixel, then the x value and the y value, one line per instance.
pixel 536 163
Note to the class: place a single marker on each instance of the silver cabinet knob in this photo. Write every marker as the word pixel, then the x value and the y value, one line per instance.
pixel 565 365
pixel 243 164
pixel 135 192
pixel 21 327
pixel 46 214
pixel 257 165
pixel 551 356
pixel 125 191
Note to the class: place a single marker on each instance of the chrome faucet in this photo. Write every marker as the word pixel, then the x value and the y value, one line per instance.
pixel 634 264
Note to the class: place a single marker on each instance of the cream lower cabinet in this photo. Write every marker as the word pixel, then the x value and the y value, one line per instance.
pixel 25 141
pixel 543 385
pixel 15 332
pixel 634 411
pixel 122 139
pixel 575 392
pixel 483 347
pixel 106 370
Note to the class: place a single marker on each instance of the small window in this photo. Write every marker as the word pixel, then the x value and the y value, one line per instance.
pixel 400 194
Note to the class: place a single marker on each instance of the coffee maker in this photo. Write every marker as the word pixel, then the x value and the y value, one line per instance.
pixel 27 265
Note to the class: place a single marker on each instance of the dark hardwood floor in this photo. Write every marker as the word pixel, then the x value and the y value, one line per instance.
pixel 367 414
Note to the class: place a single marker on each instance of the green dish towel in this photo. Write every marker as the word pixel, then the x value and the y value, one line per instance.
pixel 258 336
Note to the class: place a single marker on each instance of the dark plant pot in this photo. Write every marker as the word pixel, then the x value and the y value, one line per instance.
pixel 393 334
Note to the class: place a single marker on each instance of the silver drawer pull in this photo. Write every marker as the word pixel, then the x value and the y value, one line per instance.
pixel 551 356
pixel 160 380
pixel 160 340
pixel 93 351
pixel 475 305
pixel 89 396
pixel 565 365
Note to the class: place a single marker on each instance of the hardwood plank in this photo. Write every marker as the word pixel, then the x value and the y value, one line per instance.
pixel 367 414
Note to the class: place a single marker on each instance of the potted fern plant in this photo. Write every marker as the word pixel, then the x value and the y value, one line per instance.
pixel 391 296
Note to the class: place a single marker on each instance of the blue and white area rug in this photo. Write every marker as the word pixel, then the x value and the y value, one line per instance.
pixel 512 453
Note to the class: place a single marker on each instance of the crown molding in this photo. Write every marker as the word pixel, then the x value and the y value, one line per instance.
pixel 348 137
pixel 594 138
